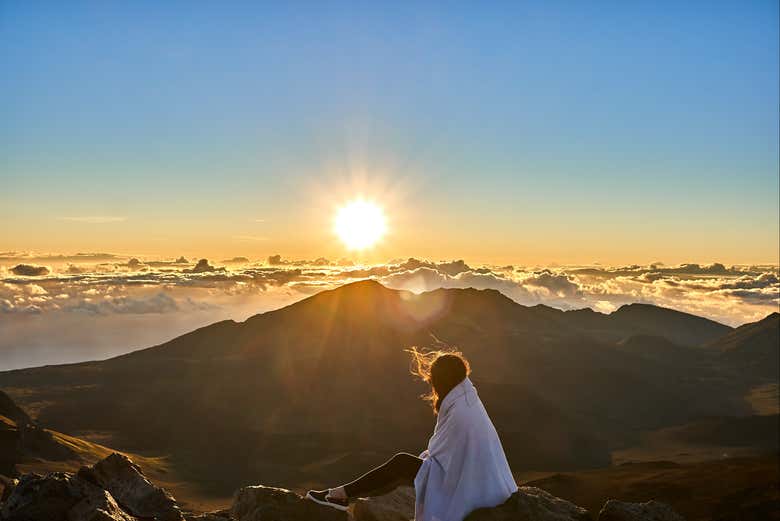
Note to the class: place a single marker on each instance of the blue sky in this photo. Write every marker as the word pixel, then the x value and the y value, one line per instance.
pixel 538 131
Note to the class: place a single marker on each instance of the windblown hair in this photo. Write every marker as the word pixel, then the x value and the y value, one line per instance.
pixel 442 369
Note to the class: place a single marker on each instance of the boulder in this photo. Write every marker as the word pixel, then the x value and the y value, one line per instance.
pixel 531 504
pixel 614 510
pixel 126 483
pixel 99 506
pixel 259 503
pixel 395 506
pixel 60 497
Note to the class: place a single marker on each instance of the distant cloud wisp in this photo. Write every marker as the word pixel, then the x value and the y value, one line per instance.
pixel 249 238
pixel 94 219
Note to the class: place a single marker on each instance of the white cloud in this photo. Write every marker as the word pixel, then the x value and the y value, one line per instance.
pixel 730 294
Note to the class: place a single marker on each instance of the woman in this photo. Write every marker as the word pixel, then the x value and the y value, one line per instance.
pixel 464 467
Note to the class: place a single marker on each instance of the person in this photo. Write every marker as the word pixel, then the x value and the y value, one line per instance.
pixel 464 466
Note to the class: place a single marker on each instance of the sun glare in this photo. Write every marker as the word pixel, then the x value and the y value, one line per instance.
pixel 360 224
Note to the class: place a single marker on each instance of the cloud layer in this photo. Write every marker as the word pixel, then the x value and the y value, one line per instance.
pixel 67 308
pixel 104 283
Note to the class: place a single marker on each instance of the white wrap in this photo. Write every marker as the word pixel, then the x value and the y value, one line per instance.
pixel 464 467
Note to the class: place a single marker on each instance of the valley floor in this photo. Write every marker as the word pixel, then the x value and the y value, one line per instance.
pixel 730 488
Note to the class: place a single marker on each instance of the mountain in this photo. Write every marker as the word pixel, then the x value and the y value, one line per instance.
pixel 753 348
pixel 320 389
pixel 646 319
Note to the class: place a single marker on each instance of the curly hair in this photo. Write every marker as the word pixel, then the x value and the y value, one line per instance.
pixel 442 369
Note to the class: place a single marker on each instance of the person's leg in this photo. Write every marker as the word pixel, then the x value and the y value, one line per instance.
pixel 398 470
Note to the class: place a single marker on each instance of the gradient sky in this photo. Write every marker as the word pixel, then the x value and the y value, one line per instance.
pixel 615 132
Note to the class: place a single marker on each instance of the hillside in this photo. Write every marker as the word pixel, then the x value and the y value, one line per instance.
pixel 26 447
pixel 320 389
pixel 645 319
pixel 727 489
pixel 753 348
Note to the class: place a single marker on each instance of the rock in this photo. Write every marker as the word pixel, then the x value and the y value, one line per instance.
pixel 9 484
pixel 614 510
pixel 259 503
pixel 98 507
pixel 126 483
pixel 531 504
pixel 217 515
pixel 60 497
pixel 395 506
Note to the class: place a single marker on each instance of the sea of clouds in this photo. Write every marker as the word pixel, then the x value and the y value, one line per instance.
pixel 65 308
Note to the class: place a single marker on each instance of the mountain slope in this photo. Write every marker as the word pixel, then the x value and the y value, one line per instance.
pixel 26 447
pixel 320 389
pixel 646 319
pixel 753 348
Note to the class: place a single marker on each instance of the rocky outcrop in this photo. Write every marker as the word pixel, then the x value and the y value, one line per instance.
pixel 114 489
pixel 261 503
pixel 395 506
pixel 60 497
pixel 126 483
pixel 614 510
pixel 531 504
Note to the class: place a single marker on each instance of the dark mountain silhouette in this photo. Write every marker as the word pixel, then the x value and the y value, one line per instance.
pixel 661 350
pixel 320 389
pixel 754 347
pixel 646 319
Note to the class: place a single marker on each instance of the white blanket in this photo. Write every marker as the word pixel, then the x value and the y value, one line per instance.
pixel 464 467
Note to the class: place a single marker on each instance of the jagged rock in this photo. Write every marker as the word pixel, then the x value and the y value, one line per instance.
pixel 100 506
pixel 614 510
pixel 220 515
pixel 259 503
pixel 126 483
pixel 60 497
pixel 395 506
pixel 531 504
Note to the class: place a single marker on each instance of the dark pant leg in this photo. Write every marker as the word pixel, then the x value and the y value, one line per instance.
pixel 395 472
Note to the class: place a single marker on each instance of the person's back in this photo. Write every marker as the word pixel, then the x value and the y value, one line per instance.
pixel 465 467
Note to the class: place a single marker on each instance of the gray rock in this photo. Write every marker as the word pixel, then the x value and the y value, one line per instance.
pixel 126 483
pixel 261 503
pixel 395 506
pixel 60 497
pixel 98 507
pixel 531 504
pixel 614 510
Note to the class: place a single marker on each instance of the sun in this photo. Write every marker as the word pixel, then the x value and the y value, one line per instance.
pixel 360 224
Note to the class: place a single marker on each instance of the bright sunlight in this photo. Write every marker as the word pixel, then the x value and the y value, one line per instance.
pixel 360 224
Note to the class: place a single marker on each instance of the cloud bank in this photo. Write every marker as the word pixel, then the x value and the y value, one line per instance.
pixel 731 294
pixel 58 308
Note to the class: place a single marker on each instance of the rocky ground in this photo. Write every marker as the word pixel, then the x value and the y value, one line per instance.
pixel 115 489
